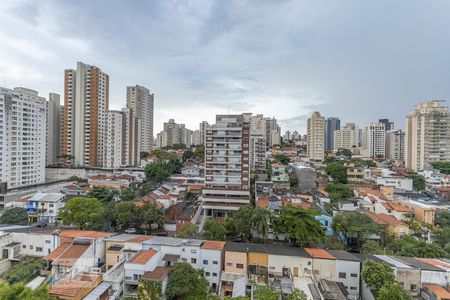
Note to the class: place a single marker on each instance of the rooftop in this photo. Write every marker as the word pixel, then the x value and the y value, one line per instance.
pixel 70 255
pixel 319 253
pixel 266 248
pixel 383 219
pixel 143 257
pixel 73 233
pixel 343 255
pixel 213 245
pixel 157 274
pixel 58 251
pixel 438 290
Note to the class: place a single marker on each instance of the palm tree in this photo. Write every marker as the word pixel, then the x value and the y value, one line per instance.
pixel 260 221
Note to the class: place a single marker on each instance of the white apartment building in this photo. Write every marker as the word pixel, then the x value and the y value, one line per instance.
pixel 273 130
pixel 86 102
pixel 427 135
pixel 395 145
pixel 202 128
pixel 316 137
pixel 114 139
pixel 22 137
pixel 141 101
pixel 53 129
pixel 346 137
pixel 374 140
pixel 227 166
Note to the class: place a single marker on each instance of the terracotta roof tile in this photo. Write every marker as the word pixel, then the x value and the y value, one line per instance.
pixel 262 202
pixel 435 262
pixel 383 219
pixel 157 274
pixel 319 253
pixel 277 165
pixel 195 187
pixel 71 255
pixel 143 257
pixel 213 245
pixel 139 239
pixel 58 251
pixel 439 291
pixel 73 233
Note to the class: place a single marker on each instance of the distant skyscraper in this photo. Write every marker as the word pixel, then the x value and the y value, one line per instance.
pixel 114 139
pixel 53 129
pixel 332 124
pixel 227 166
pixel 395 145
pixel 388 125
pixel 273 132
pixel 22 137
pixel 174 133
pixel 427 135
pixel 374 140
pixel 141 102
pixel 202 129
pixel 316 137
pixel 86 102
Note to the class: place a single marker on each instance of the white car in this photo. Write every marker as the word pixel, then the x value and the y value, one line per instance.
pixel 131 230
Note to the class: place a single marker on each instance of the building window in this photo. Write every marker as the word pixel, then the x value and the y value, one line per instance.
pixel 38 249
pixel 205 262
pixel 214 274
pixel 413 287
pixel 193 260
pixel 193 251
pixel 316 272
pixel 342 275
pixel 309 263
pixel 184 259
pixel 353 275
pixel 207 274
pixel 24 246
pixel 215 262
pixel 48 241
pixel 239 266
pixel 229 264
pixel 31 247
pixel 353 288
pixel 271 268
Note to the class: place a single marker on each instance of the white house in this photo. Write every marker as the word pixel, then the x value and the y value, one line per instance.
pixel 211 255
pixel 143 261
pixel 348 269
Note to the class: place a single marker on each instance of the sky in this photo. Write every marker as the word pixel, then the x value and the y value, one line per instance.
pixel 356 60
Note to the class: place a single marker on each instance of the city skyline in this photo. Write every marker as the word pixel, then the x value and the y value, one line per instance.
pixel 217 56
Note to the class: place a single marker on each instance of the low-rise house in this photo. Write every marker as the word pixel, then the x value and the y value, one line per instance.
pixel 211 255
pixel 280 177
pixel 390 223
pixel 75 190
pixel 398 182
pixel 45 207
pixel 191 171
pixel 34 241
pixel 141 262
pixel 422 212
pixel 185 217
pixel 346 205
pixel 115 246
pixel 159 274
pixel 435 292
pixel 347 271
pixel 428 272
pixel 355 174
pixel 323 263
pixel 76 288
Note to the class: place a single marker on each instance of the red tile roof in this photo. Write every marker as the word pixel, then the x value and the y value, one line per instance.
pixel 157 274
pixel 435 262
pixel 278 165
pixel 439 291
pixel 319 253
pixel 195 187
pixel 213 245
pixel 139 239
pixel 58 251
pixel 143 257
pixel 71 255
pixel 383 219
pixel 74 233
pixel 262 202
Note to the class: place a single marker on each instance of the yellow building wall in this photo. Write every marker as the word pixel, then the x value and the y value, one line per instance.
pixel 260 259
pixel 234 258
pixel 111 256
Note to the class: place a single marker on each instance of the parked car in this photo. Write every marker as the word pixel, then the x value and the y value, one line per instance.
pixel 131 230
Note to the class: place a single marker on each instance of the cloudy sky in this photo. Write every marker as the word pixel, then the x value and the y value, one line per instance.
pixel 358 60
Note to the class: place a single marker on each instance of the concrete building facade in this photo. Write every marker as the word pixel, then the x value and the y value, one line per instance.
pixel 316 137
pixel 53 129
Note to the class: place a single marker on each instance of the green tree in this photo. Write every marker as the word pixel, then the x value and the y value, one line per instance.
pixel 75 178
pixel 186 283
pixel 293 181
pixel 239 225
pixel 19 291
pixel 188 230
pixel 442 218
pixel 214 230
pixel 15 215
pixel 151 214
pixel 127 194
pixel 149 290
pixel 337 171
pixel 418 181
pixel 392 290
pixel 146 188
pixel 24 271
pixel 299 225
pixel 344 152
pixel 296 294
pixel 442 166
pixel 371 164
pixel 161 154
pixel 199 152
pixel 409 246
pixel 126 214
pixel 442 236
pixel 376 275
pixel 144 155
pixel 82 212
pixel 260 221
pixel 157 171
pixel 282 159
pixel 188 154
pixel 264 293
pixel 338 191
pixel 103 194
pixel 355 227
pixel 371 247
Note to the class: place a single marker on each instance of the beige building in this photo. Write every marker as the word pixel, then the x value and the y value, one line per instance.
pixel 427 135
pixel 316 137
pixel 346 137
pixel 86 104
pixel 395 145
pixel 141 101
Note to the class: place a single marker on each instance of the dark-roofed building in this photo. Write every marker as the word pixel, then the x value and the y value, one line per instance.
pixel 348 269
pixel 428 273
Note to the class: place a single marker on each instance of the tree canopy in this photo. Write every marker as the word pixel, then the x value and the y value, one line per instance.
pixel 375 275
pixel 24 271
pixel 299 225
pixel 264 293
pixel 82 212
pixel 282 158
pixel 20 291
pixel 442 166
pixel 127 194
pixel 103 194
pixel 186 283
pixel 338 191
pixel 392 290
pixel 15 215
pixel 355 227
pixel 214 230
pixel 151 214
pixel 418 181
pixel 344 152
pixel 337 171
pixel 296 294
pixel 188 230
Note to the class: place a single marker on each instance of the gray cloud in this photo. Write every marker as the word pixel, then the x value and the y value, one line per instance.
pixel 356 60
